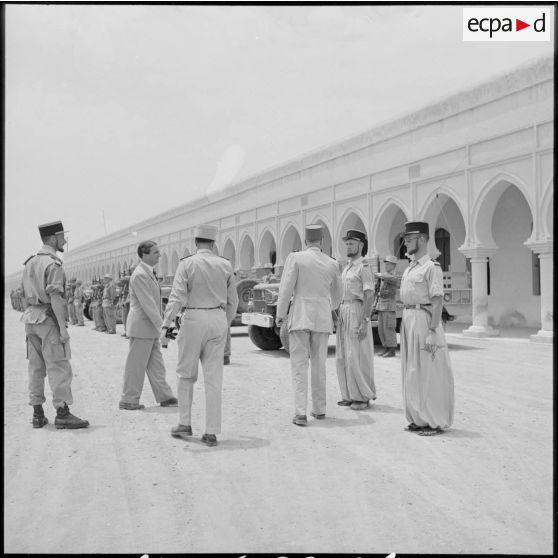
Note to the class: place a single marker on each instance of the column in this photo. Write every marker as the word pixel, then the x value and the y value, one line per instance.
pixel 479 279
pixel 545 252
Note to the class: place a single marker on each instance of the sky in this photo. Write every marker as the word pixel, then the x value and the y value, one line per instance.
pixel 114 114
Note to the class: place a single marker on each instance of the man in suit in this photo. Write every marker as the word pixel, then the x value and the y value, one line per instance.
pixel 204 286
pixel 143 327
pixel 313 281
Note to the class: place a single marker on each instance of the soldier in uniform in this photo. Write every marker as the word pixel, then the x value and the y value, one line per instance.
pixel 70 300
pixel 97 306
pixel 125 294
pixel 355 344
pixel 109 297
pixel 48 342
pixel 385 305
pixel 311 278
pixel 428 389
pixel 78 302
pixel 204 286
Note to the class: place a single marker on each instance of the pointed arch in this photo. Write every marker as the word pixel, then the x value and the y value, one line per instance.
pixel 483 209
pixel 229 251
pixel 163 265
pixel 267 249
pixel 174 262
pixel 290 241
pixel 246 252
pixel 351 219
pixel 327 242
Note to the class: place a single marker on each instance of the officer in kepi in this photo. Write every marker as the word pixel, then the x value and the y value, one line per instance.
pixel 205 288
pixel 45 318
pixel 428 388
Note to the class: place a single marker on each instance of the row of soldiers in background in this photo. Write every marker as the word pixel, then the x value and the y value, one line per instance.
pixel 104 300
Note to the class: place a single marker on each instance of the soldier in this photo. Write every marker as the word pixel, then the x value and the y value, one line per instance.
pixel 108 301
pixel 125 294
pixel 204 285
pixel 428 389
pixel 355 345
pixel 312 279
pixel 70 299
pixel 79 298
pixel 48 342
pixel 385 305
pixel 98 308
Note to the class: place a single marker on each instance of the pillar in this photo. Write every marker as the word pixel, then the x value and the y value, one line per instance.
pixel 545 252
pixel 479 294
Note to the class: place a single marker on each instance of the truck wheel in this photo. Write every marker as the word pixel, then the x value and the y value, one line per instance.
pixel 244 288
pixel 87 311
pixel 284 336
pixel 264 338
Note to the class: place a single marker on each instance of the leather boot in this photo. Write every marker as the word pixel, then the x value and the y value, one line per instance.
pixel 65 419
pixel 39 419
pixel 389 353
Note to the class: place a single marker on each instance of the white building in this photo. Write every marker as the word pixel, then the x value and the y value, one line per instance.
pixel 478 166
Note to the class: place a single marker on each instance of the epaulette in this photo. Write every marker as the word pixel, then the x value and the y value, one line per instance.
pixel 29 258
pixel 186 257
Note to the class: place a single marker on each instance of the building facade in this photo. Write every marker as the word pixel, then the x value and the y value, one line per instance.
pixel 477 166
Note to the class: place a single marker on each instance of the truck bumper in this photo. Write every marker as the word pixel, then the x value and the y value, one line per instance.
pixel 261 320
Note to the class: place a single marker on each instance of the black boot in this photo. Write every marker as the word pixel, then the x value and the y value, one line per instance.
pixel 65 419
pixel 39 419
pixel 389 353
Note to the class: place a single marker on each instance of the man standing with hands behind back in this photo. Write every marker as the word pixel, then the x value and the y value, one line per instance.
pixel 143 327
pixel 204 286
pixel 313 281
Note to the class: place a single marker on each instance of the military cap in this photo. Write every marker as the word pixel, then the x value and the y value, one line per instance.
pixel 416 227
pixel 207 232
pixel 391 259
pixel 313 233
pixel 354 234
pixel 48 229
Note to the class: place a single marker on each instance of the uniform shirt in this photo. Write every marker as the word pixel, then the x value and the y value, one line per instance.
pixel 78 294
pixel 357 278
pixel 109 294
pixel 43 277
pixel 388 291
pixel 421 281
pixel 203 280
pixel 313 281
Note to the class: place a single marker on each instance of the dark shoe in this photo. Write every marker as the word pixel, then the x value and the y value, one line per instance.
pixel 389 353
pixel 123 335
pixel 102 330
pixel 209 439
pixel 39 419
pixel 386 351
pixel 300 420
pixel 318 417
pixel 130 406
pixel 112 332
pixel 359 405
pixel 65 419
pixel 172 402
pixel 344 403
pixel 181 431
pixel 226 360
pixel 413 427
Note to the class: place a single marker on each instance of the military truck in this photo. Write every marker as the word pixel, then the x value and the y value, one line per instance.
pixel 262 310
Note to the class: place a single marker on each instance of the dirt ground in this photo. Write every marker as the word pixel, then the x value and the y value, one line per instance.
pixel 356 482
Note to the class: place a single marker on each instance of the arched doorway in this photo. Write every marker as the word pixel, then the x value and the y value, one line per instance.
pixel 291 242
pixel 268 250
pixel 174 262
pixel 246 253
pixel 351 221
pixel 229 252
pixel 327 243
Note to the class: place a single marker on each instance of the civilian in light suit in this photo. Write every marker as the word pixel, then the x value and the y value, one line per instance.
pixel 143 327
pixel 313 281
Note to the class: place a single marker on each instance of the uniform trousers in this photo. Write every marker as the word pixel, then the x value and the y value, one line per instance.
pixel 78 305
pixel 72 313
pixel 125 312
pixel 48 357
pixel 109 314
pixel 428 388
pixel 202 337
pixel 98 318
pixel 145 356
pixel 228 343
pixel 387 322
pixel 304 346
pixel 354 358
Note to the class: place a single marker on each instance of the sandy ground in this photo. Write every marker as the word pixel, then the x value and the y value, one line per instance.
pixel 356 482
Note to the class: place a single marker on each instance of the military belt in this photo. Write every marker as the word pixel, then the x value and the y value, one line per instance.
pixel 221 307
